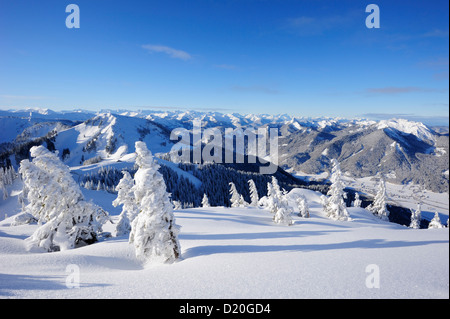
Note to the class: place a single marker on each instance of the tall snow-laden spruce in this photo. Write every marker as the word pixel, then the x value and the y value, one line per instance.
pixel 205 201
pixel 154 233
pixel 416 217
pixel 125 197
pixel 279 205
pixel 235 199
pixel 253 193
pixel 3 189
pixel 334 205
pixel 378 207
pixel 55 200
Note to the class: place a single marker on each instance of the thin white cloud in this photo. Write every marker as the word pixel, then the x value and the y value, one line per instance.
pixel 173 53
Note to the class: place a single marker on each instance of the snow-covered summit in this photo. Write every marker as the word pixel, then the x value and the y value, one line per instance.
pixel 420 130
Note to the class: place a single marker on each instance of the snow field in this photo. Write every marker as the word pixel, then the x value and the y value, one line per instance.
pixel 240 253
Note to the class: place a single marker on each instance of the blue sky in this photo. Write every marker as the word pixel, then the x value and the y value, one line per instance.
pixel 304 58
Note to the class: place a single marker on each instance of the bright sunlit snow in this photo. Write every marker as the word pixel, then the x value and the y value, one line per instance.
pixel 238 253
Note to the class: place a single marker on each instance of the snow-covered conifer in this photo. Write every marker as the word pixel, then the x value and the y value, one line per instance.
pixel 436 221
pixel 357 202
pixel 205 201
pixel 272 200
pixel 334 205
pixel 4 190
pixel 242 202
pixel 378 207
pixel 176 205
pixel 56 201
pixel 125 197
pixel 154 233
pixel 278 204
pixel 235 196
pixel 303 207
pixel 416 217
pixel 253 193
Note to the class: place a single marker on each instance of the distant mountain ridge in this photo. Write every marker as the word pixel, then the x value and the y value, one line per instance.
pixel 403 151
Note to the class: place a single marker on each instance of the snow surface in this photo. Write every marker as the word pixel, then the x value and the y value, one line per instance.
pixel 238 253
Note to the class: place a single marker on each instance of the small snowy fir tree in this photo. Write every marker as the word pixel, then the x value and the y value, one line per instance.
pixel 253 193
pixel 56 201
pixel 242 202
pixel 235 196
pixel 271 201
pixel 378 207
pixel 125 197
pixel 334 205
pixel 283 215
pixel 416 217
pixel 154 233
pixel 3 189
pixel 435 222
pixel 177 205
pixel 303 208
pixel 357 202
pixel 205 201
pixel 279 205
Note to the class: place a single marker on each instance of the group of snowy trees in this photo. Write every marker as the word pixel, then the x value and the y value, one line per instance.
pixel 7 176
pixel 416 218
pixel 147 212
pixel 276 201
pixel 66 220
pixel 278 204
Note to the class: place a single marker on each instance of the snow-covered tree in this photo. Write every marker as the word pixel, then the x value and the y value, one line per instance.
pixel 357 202
pixel 303 207
pixel 125 197
pixel 416 217
pixel 436 221
pixel 378 207
pixel 55 200
pixel 154 233
pixel 3 189
pixel 334 205
pixel 176 205
pixel 7 175
pixel 242 202
pixel 253 193
pixel 235 196
pixel 278 204
pixel 205 201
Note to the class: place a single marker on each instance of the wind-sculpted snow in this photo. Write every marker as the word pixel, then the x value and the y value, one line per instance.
pixel 240 253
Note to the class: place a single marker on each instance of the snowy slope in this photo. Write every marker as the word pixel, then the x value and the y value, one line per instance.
pixel 405 151
pixel 240 253
pixel 110 137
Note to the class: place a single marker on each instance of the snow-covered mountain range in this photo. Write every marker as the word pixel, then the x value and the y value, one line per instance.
pixel 402 150
pixel 236 252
